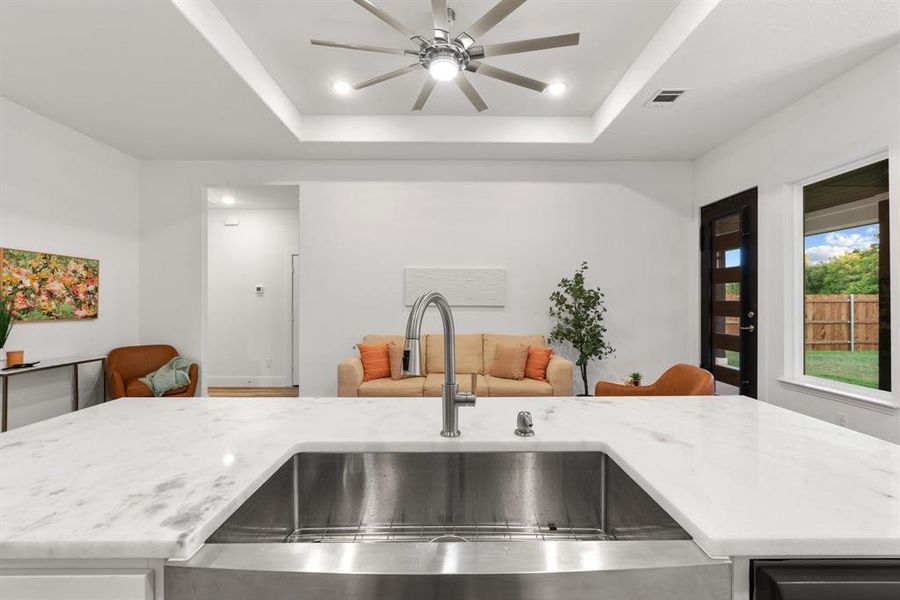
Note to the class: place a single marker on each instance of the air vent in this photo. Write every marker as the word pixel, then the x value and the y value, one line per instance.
pixel 665 97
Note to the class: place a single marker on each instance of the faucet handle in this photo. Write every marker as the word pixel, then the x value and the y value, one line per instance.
pixel 466 398
pixel 524 424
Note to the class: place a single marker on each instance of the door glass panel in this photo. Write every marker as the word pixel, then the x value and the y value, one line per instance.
pixel 726 225
pixel 727 325
pixel 733 258
pixel 727 291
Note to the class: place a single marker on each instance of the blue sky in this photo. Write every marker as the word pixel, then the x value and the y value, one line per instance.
pixel 825 246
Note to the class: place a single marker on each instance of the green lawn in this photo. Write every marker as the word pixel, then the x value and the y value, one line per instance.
pixel 858 368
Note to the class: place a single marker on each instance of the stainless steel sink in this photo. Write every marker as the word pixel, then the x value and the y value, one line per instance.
pixel 428 497
pixel 379 525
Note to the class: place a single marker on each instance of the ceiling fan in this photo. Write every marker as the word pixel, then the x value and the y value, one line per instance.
pixel 448 58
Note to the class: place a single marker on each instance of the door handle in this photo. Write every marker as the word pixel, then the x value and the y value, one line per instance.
pixel 748 328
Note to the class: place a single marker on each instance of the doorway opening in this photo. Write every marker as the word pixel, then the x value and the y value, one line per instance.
pixel 252 284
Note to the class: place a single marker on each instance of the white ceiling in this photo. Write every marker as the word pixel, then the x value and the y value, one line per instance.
pixel 748 60
pixel 134 75
pixel 613 32
pixel 138 76
pixel 254 197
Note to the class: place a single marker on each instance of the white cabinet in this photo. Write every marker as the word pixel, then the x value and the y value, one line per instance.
pixel 76 584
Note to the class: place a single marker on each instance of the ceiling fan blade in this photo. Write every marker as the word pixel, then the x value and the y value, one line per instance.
pixel 439 14
pixel 544 43
pixel 507 76
pixel 500 11
pixel 369 6
pixel 424 94
pixel 386 76
pixel 470 92
pixel 363 47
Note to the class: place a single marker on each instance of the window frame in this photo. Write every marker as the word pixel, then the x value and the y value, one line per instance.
pixel 795 290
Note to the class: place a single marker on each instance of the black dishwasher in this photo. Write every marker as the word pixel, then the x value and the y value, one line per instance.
pixel 845 579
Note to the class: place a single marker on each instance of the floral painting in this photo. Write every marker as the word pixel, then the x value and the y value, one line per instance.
pixel 49 287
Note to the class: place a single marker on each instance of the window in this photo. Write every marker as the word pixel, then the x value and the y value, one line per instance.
pixel 847 278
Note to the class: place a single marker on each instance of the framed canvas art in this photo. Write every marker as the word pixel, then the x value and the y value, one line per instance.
pixel 49 287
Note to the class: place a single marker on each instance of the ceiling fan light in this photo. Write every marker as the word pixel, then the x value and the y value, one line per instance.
pixel 443 68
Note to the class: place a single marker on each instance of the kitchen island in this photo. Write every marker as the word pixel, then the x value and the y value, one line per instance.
pixel 125 486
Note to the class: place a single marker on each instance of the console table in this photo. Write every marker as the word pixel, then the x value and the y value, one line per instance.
pixel 46 365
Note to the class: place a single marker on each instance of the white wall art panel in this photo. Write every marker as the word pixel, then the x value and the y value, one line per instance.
pixel 461 285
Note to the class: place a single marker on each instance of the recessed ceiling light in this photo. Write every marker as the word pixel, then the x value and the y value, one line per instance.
pixel 557 88
pixel 341 87
pixel 227 200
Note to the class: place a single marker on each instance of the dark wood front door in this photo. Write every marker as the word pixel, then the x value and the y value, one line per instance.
pixel 729 314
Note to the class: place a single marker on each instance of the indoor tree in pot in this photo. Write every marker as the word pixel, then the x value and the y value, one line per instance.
pixel 578 314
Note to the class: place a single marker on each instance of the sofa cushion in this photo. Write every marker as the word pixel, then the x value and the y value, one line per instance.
pixel 397 339
pixel 435 381
pixel 491 340
pixel 509 361
pixel 469 353
pixel 524 387
pixel 390 388
pixel 376 361
pixel 136 388
pixel 536 365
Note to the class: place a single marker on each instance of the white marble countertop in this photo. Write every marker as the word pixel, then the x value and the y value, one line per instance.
pixel 153 478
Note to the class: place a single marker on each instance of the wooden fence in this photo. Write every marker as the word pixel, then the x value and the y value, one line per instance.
pixel 841 322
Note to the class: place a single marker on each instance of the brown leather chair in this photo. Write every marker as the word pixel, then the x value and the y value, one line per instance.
pixel 126 365
pixel 680 380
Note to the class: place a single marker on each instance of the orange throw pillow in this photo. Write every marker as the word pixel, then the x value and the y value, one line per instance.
pixel 536 365
pixel 395 352
pixel 509 361
pixel 376 361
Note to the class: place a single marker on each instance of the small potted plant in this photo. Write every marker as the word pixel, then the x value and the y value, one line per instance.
pixel 578 314
pixel 6 323
pixel 635 379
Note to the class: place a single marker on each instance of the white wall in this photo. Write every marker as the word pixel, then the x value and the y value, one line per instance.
pixel 249 335
pixel 362 222
pixel 65 193
pixel 852 117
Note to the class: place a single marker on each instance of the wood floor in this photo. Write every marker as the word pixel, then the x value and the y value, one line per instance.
pixel 254 392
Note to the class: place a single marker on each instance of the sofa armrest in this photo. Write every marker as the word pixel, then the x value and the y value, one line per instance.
pixel 116 385
pixel 608 388
pixel 350 377
pixel 194 375
pixel 559 375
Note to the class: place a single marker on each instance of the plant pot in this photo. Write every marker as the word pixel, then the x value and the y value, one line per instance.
pixel 15 357
pixel 2 359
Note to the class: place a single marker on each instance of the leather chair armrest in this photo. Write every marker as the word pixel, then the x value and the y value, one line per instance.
pixel 559 375
pixel 350 377
pixel 194 374
pixel 116 385
pixel 608 388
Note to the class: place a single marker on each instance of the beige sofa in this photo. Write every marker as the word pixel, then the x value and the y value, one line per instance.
pixel 474 354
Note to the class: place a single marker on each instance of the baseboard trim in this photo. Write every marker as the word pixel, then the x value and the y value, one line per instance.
pixel 247 381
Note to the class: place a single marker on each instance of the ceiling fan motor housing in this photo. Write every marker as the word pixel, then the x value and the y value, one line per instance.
pixel 443 50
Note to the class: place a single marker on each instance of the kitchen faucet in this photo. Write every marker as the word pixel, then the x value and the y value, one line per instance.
pixel 412 364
